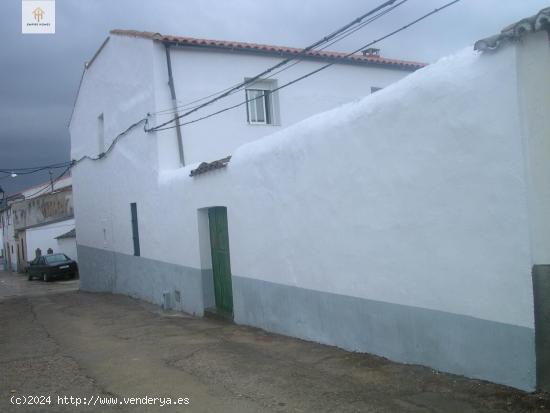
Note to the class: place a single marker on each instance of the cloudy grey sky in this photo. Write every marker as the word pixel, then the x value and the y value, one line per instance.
pixel 39 74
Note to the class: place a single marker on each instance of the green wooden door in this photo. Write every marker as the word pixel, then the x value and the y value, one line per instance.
pixel 219 244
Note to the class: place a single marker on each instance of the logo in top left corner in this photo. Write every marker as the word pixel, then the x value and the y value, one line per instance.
pixel 38 16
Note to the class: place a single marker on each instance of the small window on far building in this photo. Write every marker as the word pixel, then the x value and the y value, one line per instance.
pixel 135 229
pixel 374 89
pixel 100 134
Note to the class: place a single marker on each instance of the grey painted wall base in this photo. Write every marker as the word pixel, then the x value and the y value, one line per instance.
pixel 147 279
pixel 449 342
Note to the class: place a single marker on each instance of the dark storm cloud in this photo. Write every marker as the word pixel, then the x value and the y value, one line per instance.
pixel 39 74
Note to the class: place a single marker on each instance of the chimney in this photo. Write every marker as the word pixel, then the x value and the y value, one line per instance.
pixel 371 51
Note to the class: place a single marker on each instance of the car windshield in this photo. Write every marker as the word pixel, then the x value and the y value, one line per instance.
pixel 55 258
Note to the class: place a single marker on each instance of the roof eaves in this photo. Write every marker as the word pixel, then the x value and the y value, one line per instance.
pixel 86 66
pixel 513 32
pixel 233 46
pixel 69 234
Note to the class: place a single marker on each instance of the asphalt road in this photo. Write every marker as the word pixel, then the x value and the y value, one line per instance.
pixel 56 341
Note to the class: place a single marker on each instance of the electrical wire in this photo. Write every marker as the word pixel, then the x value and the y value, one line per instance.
pixel 50 184
pixel 303 52
pixel 111 146
pixel 314 71
pixel 342 35
pixel 332 38
pixel 8 172
pixel 35 167
pixel 335 36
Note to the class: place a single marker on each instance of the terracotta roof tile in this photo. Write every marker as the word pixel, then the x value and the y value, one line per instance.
pixel 512 32
pixel 210 166
pixel 271 49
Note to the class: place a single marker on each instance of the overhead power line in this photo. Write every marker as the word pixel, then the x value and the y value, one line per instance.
pixel 12 174
pixel 113 143
pixel 333 37
pixel 50 184
pixel 412 23
pixel 24 171
pixel 346 33
pixel 328 40
pixel 303 52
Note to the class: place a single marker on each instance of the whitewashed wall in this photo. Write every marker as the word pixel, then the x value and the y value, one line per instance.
pixel 67 246
pixel 43 237
pixel 199 73
pixel 414 197
pixel 128 79
pixel 119 84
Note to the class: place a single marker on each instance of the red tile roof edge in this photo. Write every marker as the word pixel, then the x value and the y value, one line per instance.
pixel 210 166
pixel 271 49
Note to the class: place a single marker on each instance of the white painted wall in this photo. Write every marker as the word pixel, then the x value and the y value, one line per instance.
pixel 424 194
pixel 119 85
pixel 68 247
pixel 413 195
pixel 199 73
pixel 43 237
pixel 128 79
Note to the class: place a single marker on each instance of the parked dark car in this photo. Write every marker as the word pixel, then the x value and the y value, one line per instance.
pixel 49 267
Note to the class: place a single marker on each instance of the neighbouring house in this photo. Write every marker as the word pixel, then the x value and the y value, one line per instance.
pixel 413 223
pixel 34 219
pixel 9 242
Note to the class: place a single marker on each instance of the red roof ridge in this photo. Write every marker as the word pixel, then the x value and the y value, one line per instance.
pixel 273 49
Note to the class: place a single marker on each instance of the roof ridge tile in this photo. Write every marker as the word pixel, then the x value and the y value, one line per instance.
pixel 265 48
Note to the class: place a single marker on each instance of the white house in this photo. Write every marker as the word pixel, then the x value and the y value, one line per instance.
pixel 49 216
pixel 406 224
pixel 33 220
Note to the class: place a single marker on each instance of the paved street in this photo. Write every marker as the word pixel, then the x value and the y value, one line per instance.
pixel 17 285
pixel 57 341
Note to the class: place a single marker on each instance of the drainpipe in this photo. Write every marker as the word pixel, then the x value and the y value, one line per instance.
pixel 174 101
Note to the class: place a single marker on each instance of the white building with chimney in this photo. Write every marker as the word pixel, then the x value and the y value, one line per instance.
pixel 411 223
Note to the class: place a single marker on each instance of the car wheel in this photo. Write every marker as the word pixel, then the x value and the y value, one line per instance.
pixel 46 277
pixel 30 277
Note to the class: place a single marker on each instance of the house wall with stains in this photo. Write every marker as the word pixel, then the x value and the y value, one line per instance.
pixel 43 209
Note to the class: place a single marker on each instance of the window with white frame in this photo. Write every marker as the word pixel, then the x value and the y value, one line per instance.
pixel 258 106
pixel 262 102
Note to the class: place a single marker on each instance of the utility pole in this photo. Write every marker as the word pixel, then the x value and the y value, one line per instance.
pixel 51 180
